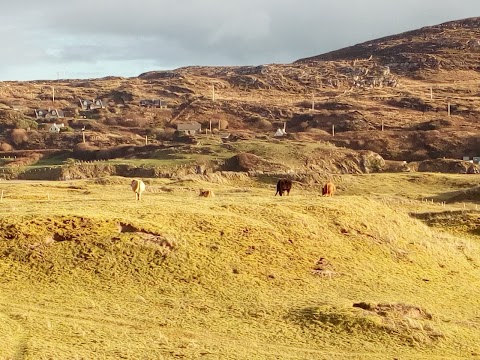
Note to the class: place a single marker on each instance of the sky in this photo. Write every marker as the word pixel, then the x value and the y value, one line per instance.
pixel 61 39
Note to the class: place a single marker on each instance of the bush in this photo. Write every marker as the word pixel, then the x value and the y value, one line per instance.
pixel 111 121
pixel 85 151
pixel 19 136
pixel 5 147
pixel 26 124
pixel 132 122
pixel 264 124
pixel 155 133
pixel 303 125
pixel 85 146
pixel 223 124
pixel 167 134
pixel 132 119
pixel 12 119
pixel 70 162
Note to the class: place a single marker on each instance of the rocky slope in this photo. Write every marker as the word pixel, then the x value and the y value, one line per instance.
pixel 411 96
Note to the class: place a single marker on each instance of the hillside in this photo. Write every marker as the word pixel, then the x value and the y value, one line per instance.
pixel 387 268
pixel 242 275
pixel 408 97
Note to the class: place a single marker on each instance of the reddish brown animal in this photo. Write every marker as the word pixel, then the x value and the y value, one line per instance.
pixel 283 185
pixel 328 189
pixel 206 193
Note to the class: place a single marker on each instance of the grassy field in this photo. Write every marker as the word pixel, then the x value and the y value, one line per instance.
pixel 88 273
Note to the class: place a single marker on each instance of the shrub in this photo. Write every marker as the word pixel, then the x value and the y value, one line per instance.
pixel 303 125
pixel 19 136
pixel 70 162
pixel 264 124
pixel 155 133
pixel 111 121
pixel 85 151
pixel 12 119
pixel 223 124
pixel 5 147
pixel 85 146
pixel 167 134
pixel 132 122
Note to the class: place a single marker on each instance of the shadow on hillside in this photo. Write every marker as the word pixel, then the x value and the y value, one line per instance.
pixel 402 322
pixel 467 221
pixel 468 195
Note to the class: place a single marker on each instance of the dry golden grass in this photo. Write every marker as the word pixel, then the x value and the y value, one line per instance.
pixel 237 276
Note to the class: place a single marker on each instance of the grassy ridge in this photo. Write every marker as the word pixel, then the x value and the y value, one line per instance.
pixel 89 273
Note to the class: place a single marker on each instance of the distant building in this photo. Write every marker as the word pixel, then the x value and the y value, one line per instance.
pixel 156 103
pixel 281 132
pixel 55 128
pixel 189 128
pixel 48 114
pixel 91 104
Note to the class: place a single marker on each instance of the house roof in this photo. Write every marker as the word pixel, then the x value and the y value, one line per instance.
pixel 49 112
pixel 41 112
pixel 90 103
pixel 149 101
pixel 189 126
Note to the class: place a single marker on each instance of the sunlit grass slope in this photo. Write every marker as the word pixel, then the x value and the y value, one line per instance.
pixel 88 273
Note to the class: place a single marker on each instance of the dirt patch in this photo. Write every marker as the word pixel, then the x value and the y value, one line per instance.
pixel 399 322
pixel 446 166
pixel 245 162
pixel 51 247
pixel 324 268
pixel 411 311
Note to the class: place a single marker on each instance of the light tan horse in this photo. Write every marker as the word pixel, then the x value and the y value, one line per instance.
pixel 138 187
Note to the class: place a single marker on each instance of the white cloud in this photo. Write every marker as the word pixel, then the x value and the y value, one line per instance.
pixel 41 36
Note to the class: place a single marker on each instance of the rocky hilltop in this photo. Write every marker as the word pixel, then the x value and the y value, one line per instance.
pixel 408 97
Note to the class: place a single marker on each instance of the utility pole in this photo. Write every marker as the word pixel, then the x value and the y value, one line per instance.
pixel 313 101
pixel 53 95
pixel 213 92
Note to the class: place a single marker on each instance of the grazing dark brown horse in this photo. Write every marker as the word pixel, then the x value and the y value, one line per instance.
pixel 283 185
